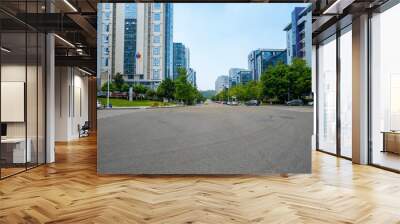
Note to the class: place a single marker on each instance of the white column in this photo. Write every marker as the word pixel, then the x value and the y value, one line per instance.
pixel 360 90
pixel 314 91
pixel 50 99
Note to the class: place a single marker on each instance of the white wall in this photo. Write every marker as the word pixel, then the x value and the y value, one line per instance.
pixel 71 102
pixel 314 90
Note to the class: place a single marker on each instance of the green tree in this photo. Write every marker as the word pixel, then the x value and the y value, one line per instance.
pixel 300 79
pixel 166 89
pixel 140 89
pixel 183 89
pixel 286 82
pixel 118 81
pixel 150 94
pixel 104 88
pixel 274 82
pixel 125 87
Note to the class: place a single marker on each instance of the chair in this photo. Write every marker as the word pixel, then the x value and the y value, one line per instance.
pixel 84 130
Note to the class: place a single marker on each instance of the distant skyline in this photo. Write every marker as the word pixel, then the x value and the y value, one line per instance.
pixel 221 35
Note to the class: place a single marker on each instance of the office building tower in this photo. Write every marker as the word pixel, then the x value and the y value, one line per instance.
pixel 104 42
pixel 245 76
pixel 234 78
pixel 221 83
pixel 130 42
pixel 191 77
pixel 299 35
pixel 181 58
pixel 153 43
pixel 259 60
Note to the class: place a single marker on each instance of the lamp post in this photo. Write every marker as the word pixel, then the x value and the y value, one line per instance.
pixel 108 89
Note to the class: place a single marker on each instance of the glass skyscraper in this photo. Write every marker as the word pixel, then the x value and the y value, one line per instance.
pixel 169 40
pixel 130 40
pixel 180 58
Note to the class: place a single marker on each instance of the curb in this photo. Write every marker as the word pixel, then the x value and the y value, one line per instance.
pixel 138 108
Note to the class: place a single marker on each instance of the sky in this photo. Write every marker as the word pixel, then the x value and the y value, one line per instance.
pixel 221 36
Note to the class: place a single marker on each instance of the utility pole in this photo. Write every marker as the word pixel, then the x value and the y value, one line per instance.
pixel 108 90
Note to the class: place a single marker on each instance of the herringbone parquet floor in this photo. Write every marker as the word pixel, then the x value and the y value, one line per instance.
pixel 69 191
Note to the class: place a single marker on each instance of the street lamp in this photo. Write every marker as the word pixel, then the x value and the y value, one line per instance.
pixel 108 89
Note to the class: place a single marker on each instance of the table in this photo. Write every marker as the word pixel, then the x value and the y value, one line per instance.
pixel 19 155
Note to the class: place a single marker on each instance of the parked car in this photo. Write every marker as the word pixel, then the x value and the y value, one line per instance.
pixel 252 103
pixel 296 102
pixel 234 103
pixel 224 102
pixel 229 103
pixel 311 103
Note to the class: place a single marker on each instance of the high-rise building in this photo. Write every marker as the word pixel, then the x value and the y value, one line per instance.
pixel 221 83
pixel 234 77
pixel 110 53
pixel 181 58
pixel 136 41
pixel 118 34
pixel 299 35
pixel 130 41
pixel 191 77
pixel 245 76
pixel 259 60
pixel 104 42
pixel 153 43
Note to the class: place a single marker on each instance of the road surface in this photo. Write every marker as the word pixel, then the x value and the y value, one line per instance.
pixel 206 139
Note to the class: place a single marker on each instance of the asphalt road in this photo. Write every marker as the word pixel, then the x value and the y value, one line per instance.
pixel 206 139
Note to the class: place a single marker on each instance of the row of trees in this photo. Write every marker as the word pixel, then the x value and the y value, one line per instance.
pixel 172 90
pixel 277 84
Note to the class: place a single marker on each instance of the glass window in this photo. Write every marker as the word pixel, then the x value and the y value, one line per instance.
pixel 156 74
pixel 156 16
pixel 156 39
pixel 13 82
pixel 327 95
pixel 156 51
pixel 157 5
pixel 385 89
pixel 156 27
pixel 22 98
pixel 346 93
pixel 156 61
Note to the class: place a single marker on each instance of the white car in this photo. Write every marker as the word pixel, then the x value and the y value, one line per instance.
pixel 234 103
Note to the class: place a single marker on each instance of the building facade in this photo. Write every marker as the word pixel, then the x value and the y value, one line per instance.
pixel 191 77
pixel 153 43
pixel 245 76
pixel 259 60
pixel 104 42
pixel 130 41
pixel 234 77
pixel 181 58
pixel 299 35
pixel 221 83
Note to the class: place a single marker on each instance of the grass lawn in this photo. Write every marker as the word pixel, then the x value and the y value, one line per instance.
pixel 134 103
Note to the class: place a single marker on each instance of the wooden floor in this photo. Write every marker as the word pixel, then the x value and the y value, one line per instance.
pixel 69 191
